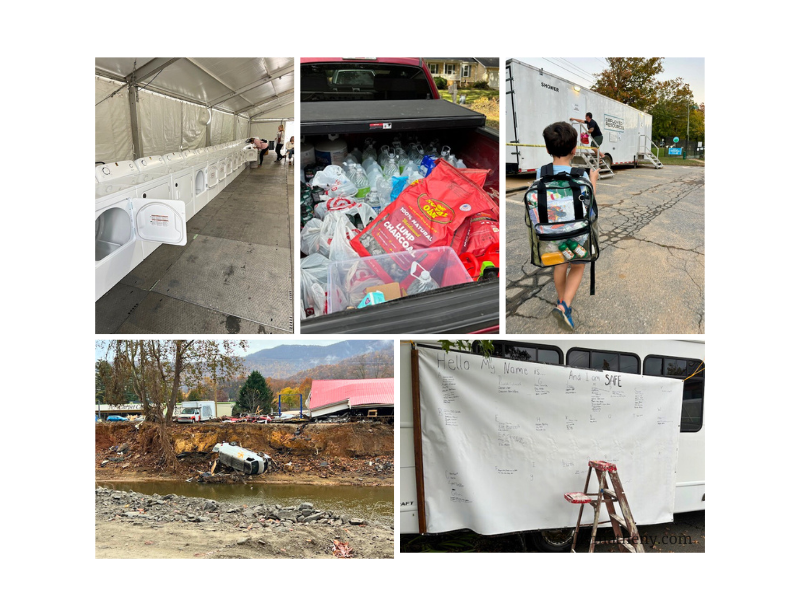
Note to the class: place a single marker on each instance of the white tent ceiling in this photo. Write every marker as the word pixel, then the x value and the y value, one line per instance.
pixel 246 86
pixel 175 98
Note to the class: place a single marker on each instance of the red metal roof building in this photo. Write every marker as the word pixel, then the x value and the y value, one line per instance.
pixel 336 395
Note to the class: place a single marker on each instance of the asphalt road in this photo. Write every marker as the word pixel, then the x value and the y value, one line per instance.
pixel 650 277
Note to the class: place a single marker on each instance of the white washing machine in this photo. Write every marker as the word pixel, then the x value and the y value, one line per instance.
pixel 154 181
pixel 198 161
pixel 125 224
pixel 182 188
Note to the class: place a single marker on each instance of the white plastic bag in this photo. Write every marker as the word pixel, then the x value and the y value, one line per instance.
pixel 313 271
pixel 333 179
pixel 309 237
pixel 343 232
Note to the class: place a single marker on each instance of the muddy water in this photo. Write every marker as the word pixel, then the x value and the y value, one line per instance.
pixel 371 503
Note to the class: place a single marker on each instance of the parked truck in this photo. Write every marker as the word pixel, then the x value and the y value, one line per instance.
pixel 536 98
pixel 346 101
pixel 196 411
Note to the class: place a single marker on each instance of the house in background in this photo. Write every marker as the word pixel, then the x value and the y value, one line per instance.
pixel 466 70
pixel 351 397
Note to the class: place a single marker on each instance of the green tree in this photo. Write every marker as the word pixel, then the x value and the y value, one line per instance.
pixel 673 102
pixel 195 395
pixel 254 396
pixel 631 81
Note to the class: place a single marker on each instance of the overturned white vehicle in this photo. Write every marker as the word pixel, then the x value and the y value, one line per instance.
pixel 243 460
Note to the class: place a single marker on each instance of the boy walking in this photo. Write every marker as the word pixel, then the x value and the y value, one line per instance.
pixel 561 141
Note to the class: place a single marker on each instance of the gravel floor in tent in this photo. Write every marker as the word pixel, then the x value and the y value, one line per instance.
pixel 233 276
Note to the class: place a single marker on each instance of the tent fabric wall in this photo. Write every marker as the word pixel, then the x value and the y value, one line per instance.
pixel 267 131
pixel 222 128
pixel 159 124
pixel 194 126
pixel 112 123
pixel 242 128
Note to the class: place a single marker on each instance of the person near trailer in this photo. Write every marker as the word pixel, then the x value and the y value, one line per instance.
pixel 262 147
pixel 594 131
pixel 561 141
pixel 279 143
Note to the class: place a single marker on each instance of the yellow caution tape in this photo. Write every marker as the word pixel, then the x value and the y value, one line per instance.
pixel 543 146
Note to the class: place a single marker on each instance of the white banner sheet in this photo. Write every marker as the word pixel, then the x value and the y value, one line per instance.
pixel 504 440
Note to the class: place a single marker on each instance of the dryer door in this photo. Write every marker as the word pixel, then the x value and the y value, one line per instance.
pixel 160 220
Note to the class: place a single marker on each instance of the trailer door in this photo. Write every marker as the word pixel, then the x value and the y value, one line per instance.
pixel 643 143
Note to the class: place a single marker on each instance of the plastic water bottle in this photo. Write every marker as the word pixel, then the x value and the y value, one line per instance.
pixel 384 155
pixel 446 155
pixel 349 166
pixel 368 162
pixel 460 164
pixel 402 162
pixel 390 168
pixel 424 282
pixel 412 172
pixel 374 200
pixel 369 152
pixel 414 155
pixel 361 182
pixel 431 151
pixel 358 154
pixel 384 189
pixel 373 175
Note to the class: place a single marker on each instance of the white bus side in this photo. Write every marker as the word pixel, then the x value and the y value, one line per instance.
pixel 690 486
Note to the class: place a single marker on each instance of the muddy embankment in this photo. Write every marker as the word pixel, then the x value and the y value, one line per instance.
pixel 325 453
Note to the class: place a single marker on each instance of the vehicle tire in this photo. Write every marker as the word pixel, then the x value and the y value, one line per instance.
pixel 552 540
pixel 608 159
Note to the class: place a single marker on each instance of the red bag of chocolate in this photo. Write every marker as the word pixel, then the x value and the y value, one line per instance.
pixel 426 214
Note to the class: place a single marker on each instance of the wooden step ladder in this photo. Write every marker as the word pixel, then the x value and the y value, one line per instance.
pixel 632 543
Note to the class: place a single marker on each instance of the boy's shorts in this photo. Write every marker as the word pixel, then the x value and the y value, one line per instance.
pixel 596 141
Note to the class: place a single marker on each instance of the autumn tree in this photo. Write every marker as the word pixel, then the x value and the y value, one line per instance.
pixel 290 398
pixel 157 369
pixel 631 81
pixel 254 396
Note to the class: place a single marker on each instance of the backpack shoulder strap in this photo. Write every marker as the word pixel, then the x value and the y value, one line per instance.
pixel 541 192
pixel 579 172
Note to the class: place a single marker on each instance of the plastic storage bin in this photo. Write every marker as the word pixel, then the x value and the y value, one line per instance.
pixel 348 280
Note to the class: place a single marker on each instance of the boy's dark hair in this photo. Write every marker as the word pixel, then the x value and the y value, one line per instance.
pixel 589 115
pixel 560 138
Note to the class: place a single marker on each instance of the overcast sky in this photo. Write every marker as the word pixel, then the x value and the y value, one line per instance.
pixel 583 71
pixel 255 345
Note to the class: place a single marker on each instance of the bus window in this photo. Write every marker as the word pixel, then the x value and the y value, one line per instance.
pixel 538 353
pixel 693 388
pixel 621 362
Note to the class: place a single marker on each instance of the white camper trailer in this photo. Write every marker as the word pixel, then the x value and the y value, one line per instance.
pixel 536 98
pixel 657 358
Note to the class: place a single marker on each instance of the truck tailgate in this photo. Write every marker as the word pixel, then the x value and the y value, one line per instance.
pixel 396 115
pixel 463 308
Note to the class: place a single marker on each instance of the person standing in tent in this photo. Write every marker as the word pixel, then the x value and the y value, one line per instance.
pixel 279 143
pixel 290 149
pixel 262 146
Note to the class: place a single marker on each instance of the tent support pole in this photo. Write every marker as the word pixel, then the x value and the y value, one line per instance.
pixel 134 105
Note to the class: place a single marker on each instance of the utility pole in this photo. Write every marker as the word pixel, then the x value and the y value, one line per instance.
pixel 688 112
